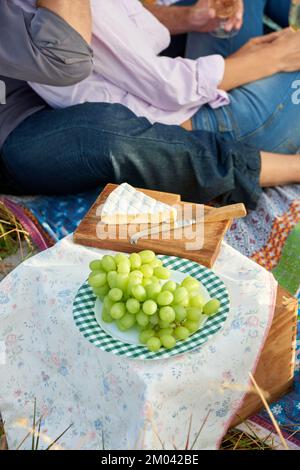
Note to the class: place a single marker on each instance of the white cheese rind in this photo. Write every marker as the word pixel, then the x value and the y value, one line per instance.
pixel 126 205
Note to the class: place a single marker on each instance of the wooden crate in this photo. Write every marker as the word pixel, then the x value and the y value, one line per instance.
pixel 275 369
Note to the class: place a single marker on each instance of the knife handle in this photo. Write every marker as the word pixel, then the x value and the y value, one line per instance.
pixel 234 211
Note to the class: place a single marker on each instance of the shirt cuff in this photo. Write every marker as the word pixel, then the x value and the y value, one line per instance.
pixel 50 31
pixel 210 74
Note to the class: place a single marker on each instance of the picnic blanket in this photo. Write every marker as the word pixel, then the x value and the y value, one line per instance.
pixel 270 235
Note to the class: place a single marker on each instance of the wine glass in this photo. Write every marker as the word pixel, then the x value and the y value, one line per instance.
pixel 295 15
pixel 225 9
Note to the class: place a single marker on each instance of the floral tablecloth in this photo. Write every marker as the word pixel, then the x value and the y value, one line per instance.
pixel 128 403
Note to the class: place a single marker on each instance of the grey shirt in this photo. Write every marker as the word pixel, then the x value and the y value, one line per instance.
pixel 38 47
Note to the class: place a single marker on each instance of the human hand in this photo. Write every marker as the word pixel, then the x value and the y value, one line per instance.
pixel 257 43
pixel 286 50
pixel 202 18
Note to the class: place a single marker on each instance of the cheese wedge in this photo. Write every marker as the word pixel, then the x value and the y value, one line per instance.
pixel 126 205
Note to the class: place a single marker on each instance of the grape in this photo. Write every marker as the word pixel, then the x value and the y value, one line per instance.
pixel 153 290
pixel 101 292
pixel 149 307
pixel 115 294
pixel 180 313
pixel 142 319
pixel 192 326
pixel 108 263
pixel 163 324
pixel 165 298
pixel 120 257
pixel 133 306
pixel 107 303
pixel 139 292
pixel 112 279
pixel 96 265
pixel 154 319
pixel 146 270
pixel 156 263
pixel 181 333
pixel 131 284
pixel 126 322
pixel 154 344
pixel 211 307
pixel 194 314
pixel 146 282
pixel 124 267
pixel 121 281
pixel 145 335
pixel 97 279
pixel 168 341
pixel 135 275
pixel 135 260
pixel 169 286
pixel 106 317
pixel 181 296
pixel 191 284
pixel 147 256
pixel 118 310
pixel 162 273
pixel 167 314
pixel 165 331
pixel 197 301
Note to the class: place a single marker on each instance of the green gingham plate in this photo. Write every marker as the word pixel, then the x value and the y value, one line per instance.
pixel 84 316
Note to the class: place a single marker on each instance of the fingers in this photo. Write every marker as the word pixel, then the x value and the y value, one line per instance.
pixel 268 38
pixel 202 17
pixel 236 22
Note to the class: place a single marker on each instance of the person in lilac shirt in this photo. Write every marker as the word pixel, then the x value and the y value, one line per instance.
pixel 210 92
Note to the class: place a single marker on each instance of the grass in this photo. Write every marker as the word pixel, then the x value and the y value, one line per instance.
pixel 14 240
pixel 240 440
pixel 34 434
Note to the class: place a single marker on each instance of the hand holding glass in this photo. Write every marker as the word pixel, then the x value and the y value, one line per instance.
pixel 225 9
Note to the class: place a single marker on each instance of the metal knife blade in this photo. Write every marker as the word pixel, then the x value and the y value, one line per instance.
pixel 164 227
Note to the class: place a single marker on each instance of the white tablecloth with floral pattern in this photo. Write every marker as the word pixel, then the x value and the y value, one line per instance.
pixel 131 403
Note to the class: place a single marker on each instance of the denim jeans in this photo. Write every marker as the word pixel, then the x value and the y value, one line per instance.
pixel 261 114
pixel 86 146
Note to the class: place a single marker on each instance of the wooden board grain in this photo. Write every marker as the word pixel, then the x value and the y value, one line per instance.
pixel 211 233
pixel 275 369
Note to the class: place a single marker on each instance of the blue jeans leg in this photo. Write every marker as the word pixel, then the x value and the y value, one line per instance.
pixel 261 114
pixel 86 146
pixel 278 11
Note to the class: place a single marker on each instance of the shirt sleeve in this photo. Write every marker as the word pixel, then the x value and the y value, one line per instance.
pixel 41 47
pixel 124 57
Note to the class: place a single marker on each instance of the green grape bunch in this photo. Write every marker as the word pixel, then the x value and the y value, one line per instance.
pixel 137 292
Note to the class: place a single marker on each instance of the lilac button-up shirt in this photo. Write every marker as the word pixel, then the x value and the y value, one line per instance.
pixel 127 39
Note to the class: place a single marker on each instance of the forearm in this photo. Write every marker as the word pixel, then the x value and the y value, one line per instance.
pixel 77 13
pixel 176 19
pixel 247 68
pixel 278 170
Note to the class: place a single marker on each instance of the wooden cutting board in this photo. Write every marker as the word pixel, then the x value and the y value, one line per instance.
pixel 212 233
